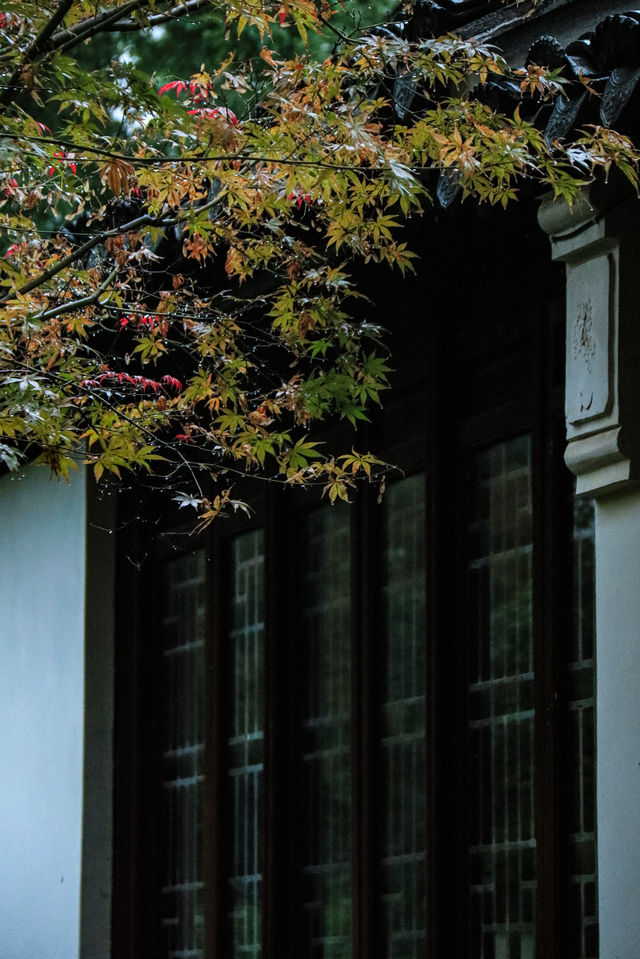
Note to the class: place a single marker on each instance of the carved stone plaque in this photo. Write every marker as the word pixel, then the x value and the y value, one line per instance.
pixel 589 329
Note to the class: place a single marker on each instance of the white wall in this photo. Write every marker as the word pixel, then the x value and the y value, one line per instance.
pixel 618 723
pixel 42 588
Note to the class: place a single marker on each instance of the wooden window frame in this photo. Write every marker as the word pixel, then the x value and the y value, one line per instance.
pixel 440 449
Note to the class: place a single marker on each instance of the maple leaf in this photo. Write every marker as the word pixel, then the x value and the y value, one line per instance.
pixel 117 174
pixel 177 85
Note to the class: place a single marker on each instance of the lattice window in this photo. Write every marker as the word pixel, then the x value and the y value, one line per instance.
pixel 183 756
pixel 326 732
pixel 403 721
pixel 317 775
pixel 583 915
pixel 502 852
pixel 246 742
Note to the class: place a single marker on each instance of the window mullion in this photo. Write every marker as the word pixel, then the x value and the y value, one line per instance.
pixel 281 826
pixel 551 566
pixel 214 853
pixel 325 678
pixel 364 644
pixel 546 776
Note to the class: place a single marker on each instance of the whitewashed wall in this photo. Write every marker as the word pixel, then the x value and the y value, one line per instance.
pixel 42 589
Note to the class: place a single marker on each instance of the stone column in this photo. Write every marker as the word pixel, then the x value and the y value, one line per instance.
pixel 602 405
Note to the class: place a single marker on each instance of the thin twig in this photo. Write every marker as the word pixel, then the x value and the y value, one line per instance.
pixel 204 157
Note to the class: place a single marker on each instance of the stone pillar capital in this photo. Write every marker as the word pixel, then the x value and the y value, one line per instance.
pixel 573 229
pixel 602 407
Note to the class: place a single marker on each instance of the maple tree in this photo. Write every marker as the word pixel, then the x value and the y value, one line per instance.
pixel 174 262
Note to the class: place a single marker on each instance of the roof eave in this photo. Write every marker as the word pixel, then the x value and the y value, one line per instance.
pixel 516 26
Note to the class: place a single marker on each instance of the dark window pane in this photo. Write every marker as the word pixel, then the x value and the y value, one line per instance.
pixel 326 659
pixel 245 744
pixel 403 711
pixel 183 756
pixel 580 768
pixel 501 716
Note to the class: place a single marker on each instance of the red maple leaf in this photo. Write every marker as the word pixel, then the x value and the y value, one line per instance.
pixel 174 383
pixel 177 85
pixel 212 112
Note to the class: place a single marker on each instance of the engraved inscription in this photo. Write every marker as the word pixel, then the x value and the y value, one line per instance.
pixel 586 401
pixel 584 341
pixel 588 386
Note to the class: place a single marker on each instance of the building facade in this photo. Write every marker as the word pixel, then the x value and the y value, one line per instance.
pixel 399 729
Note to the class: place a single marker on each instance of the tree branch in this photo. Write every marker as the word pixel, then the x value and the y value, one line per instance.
pixel 40 45
pixel 49 273
pixel 110 21
pixel 99 24
pixel 96 21
pixel 73 305
pixel 146 220
pixel 205 157
pixel 105 21
pixel 129 26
